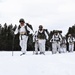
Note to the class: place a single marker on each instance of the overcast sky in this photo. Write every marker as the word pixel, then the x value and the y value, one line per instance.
pixel 52 14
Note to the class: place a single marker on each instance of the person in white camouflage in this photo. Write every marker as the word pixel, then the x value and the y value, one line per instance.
pixel 23 29
pixel 41 36
pixel 71 43
pixel 56 40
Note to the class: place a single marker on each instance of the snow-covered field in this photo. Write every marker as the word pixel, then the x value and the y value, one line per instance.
pixel 29 64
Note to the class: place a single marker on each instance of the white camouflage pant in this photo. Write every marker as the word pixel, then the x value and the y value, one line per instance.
pixel 23 43
pixel 63 48
pixel 55 46
pixel 71 47
pixel 36 47
pixel 40 45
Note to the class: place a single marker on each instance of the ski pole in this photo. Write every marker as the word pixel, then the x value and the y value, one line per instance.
pixel 13 44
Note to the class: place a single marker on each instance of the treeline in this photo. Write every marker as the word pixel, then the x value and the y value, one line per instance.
pixel 6 36
pixel 9 42
pixel 71 30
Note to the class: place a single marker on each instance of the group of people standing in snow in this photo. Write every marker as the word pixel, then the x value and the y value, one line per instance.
pixel 40 37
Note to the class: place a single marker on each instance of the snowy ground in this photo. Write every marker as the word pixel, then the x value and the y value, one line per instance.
pixel 29 64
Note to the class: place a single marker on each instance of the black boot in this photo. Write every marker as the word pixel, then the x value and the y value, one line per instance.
pixel 22 54
pixel 36 53
pixel 40 53
pixel 43 53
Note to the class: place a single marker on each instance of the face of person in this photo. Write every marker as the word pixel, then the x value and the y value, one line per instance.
pixel 22 23
pixel 56 33
pixel 40 28
pixel 70 36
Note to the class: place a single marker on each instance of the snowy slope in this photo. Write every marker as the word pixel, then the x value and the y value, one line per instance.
pixel 58 64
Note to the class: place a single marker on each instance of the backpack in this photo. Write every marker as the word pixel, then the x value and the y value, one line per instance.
pixel 42 35
pixel 56 38
pixel 27 31
pixel 30 26
pixel 46 31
